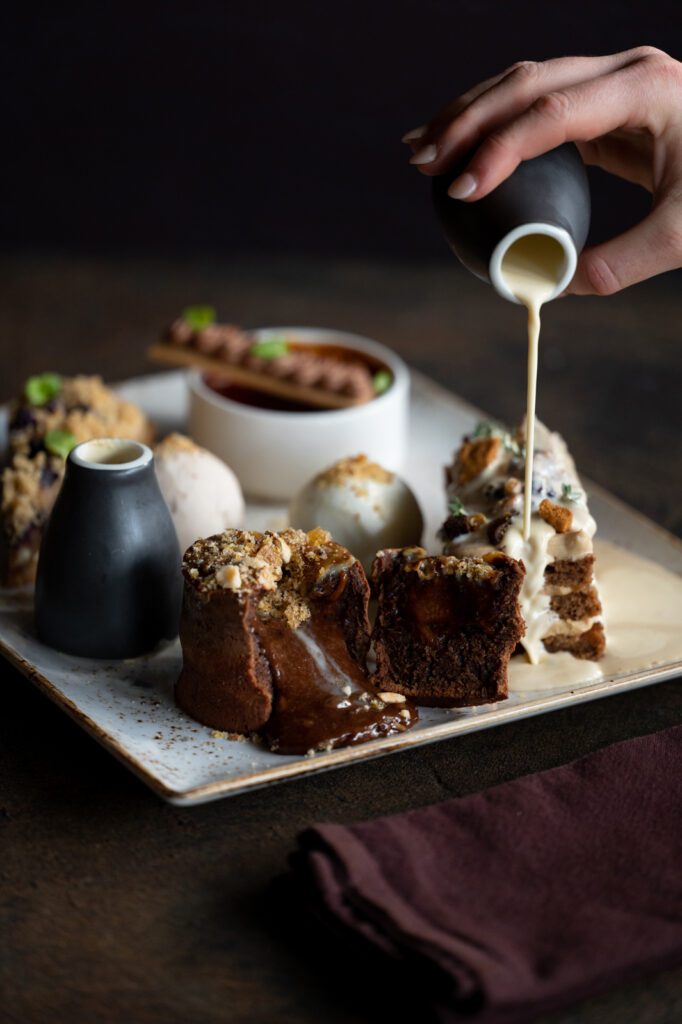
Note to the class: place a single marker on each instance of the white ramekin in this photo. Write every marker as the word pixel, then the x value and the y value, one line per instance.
pixel 275 453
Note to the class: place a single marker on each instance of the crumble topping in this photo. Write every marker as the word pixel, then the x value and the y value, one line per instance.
pixel 285 567
pixel 428 566
pixel 556 515
pixel 28 489
pixel 84 407
pixel 354 468
pixel 176 443
pixel 53 414
pixel 476 455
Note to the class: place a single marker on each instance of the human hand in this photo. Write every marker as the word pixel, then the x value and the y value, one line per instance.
pixel 623 111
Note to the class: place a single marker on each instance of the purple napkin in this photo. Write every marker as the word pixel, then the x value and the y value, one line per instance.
pixel 526 897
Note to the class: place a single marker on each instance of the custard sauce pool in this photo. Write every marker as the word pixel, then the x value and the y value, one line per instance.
pixel 643 608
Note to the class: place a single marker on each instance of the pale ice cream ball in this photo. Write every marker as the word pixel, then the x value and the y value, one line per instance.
pixel 202 493
pixel 364 506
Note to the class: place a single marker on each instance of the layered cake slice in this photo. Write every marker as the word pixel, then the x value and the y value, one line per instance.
pixel 559 598
pixel 275 635
pixel 51 416
pixel 446 627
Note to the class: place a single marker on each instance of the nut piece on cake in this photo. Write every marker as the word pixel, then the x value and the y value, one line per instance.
pixel 446 627
pixel 275 635
pixel 52 415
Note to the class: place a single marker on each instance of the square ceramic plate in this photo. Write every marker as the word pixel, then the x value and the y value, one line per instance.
pixel 128 705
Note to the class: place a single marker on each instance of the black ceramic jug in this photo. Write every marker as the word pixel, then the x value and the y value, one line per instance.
pixel 548 195
pixel 109 582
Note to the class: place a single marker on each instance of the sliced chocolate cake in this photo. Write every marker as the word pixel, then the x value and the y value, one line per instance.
pixel 446 627
pixel 275 635
pixel 559 598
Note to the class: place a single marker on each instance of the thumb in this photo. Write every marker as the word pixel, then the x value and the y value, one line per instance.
pixel 650 247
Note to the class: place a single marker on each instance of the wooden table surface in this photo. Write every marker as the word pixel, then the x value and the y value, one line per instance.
pixel 117 907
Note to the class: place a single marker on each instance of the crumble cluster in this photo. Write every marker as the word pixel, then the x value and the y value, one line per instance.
pixel 354 468
pixel 286 567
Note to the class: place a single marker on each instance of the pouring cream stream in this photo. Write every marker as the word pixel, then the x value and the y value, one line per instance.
pixel 531 267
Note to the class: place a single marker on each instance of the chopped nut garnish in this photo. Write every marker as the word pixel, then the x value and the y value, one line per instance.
pixel 356 467
pixel 475 456
pixel 319 536
pixel 556 515
pixel 392 698
pixel 404 713
pixel 229 577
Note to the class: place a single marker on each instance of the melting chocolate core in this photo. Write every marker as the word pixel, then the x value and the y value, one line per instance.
pixel 322 695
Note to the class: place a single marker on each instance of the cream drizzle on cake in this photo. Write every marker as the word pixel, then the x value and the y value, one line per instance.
pixel 532 267
pixel 486 498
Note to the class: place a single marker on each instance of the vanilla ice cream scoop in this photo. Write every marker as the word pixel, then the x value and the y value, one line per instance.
pixel 202 493
pixel 364 506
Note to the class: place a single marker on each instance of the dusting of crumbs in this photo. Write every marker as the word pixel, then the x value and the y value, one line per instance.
pixel 352 470
pixel 284 566
pixel 427 566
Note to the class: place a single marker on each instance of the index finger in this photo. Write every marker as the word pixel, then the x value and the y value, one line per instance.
pixel 578 113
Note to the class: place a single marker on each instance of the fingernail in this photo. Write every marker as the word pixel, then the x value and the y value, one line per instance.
pixel 416 133
pixel 462 186
pixel 424 156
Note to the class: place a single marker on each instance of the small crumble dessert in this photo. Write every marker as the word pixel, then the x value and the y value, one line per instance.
pixel 275 636
pixel 52 415
pixel 364 506
pixel 559 598
pixel 446 627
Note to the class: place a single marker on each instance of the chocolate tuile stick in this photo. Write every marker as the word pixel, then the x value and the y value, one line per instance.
pixel 173 355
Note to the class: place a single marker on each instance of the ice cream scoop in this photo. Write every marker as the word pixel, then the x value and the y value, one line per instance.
pixel 203 494
pixel 364 506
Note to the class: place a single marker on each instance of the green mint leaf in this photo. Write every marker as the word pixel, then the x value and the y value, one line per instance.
pixel 273 348
pixel 511 445
pixel 456 507
pixel 570 493
pixel 382 381
pixel 487 428
pixel 40 389
pixel 199 317
pixel 59 442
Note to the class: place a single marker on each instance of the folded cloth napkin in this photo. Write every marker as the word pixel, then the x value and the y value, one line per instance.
pixel 525 897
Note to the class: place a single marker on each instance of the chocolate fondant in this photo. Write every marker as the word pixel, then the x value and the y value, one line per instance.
pixel 275 636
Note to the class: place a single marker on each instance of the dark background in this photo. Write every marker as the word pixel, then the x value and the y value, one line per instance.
pixel 230 128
